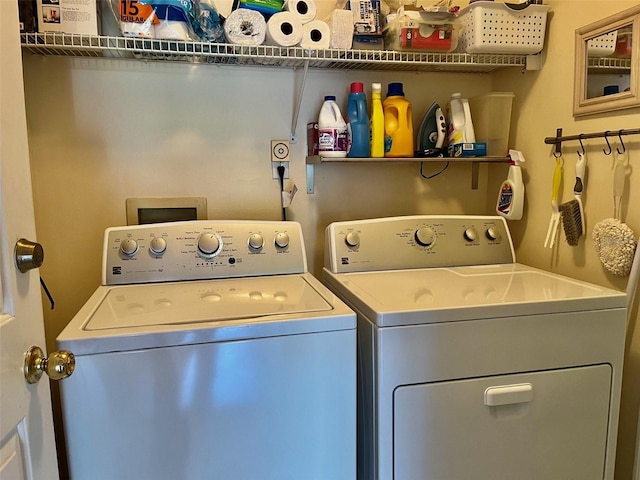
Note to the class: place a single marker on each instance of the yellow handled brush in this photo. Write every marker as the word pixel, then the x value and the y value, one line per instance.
pixel 554 222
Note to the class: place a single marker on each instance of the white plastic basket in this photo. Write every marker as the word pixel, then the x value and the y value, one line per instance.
pixel 602 45
pixel 494 27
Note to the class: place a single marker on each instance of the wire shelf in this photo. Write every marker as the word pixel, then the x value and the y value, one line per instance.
pixel 613 65
pixel 62 44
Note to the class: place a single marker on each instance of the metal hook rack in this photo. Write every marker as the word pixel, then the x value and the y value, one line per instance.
pixel 559 138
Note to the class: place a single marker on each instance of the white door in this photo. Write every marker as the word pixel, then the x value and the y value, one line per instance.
pixel 27 448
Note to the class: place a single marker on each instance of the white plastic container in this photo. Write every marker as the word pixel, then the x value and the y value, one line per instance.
pixel 497 27
pixel 460 122
pixel 492 121
pixel 332 130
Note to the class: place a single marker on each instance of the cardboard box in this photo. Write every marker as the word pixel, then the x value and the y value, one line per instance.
pixel 477 149
pixel 68 16
pixel 366 17
pixel 312 139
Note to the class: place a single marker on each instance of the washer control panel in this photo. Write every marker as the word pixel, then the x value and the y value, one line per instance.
pixel 419 241
pixel 200 250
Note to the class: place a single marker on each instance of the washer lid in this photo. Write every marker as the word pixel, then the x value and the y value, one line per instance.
pixel 433 295
pixel 129 317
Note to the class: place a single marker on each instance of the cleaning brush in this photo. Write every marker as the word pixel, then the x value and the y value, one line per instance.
pixel 573 211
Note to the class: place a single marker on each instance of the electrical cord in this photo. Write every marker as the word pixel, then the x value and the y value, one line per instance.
pixel 435 174
pixel 281 176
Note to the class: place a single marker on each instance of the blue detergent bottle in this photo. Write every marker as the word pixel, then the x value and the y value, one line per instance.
pixel 358 139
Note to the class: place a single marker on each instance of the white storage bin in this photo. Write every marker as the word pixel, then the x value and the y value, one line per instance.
pixel 493 27
pixel 602 45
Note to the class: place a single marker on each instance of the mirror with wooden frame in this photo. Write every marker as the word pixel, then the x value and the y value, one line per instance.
pixel 607 72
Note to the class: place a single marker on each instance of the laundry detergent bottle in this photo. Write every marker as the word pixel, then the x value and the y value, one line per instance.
pixel 460 124
pixel 376 122
pixel 357 122
pixel 332 130
pixel 511 196
pixel 398 123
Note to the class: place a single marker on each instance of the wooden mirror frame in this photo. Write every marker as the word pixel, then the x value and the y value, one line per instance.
pixel 618 101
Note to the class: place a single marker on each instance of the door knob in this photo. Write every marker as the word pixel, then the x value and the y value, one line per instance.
pixel 28 255
pixel 57 366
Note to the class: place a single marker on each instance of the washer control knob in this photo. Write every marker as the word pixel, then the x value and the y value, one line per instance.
pixel 352 239
pixel 158 246
pixel 129 247
pixel 470 234
pixel 256 242
pixel 425 236
pixel 493 233
pixel 208 244
pixel 282 240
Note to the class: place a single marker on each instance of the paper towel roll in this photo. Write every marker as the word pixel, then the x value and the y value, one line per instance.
pixel 245 27
pixel 305 10
pixel 284 30
pixel 172 30
pixel 316 35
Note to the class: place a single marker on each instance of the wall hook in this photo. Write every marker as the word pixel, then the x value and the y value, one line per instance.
pixel 624 149
pixel 581 145
pixel 608 144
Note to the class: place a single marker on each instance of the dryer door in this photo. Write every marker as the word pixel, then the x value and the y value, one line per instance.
pixel 550 425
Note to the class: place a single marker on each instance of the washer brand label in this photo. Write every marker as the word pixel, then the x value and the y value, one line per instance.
pixel 344 260
pixel 116 270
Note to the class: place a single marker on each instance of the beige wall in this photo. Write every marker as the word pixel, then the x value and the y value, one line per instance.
pixel 104 130
pixel 544 103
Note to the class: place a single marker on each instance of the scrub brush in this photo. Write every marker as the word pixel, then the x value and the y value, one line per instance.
pixel 573 210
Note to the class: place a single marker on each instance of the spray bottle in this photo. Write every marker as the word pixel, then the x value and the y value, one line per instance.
pixel 511 197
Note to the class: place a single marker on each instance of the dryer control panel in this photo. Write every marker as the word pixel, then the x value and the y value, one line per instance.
pixel 200 250
pixel 419 241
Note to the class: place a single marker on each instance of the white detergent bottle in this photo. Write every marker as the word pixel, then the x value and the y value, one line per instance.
pixel 332 130
pixel 511 197
pixel 460 123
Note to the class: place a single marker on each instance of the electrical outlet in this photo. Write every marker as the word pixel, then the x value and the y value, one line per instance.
pixel 279 150
pixel 274 168
pixel 279 157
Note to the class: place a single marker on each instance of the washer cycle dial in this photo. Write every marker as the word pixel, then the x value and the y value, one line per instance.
pixel 352 239
pixel 158 246
pixel 470 234
pixel 256 241
pixel 425 236
pixel 208 245
pixel 493 233
pixel 129 247
pixel 282 240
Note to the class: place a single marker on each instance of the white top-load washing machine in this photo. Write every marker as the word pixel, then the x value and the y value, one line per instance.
pixel 210 352
pixel 472 366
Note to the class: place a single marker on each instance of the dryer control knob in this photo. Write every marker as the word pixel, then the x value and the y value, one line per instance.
pixel 470 234
pixel 208 245
pixel 425 236
pixel 129 247
pixel 282 239
pixel 256 242
pixel 158 246
pixel 493 233
pixel 352 239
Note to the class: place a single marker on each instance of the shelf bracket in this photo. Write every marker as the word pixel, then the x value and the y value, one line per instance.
pixel 311 174
pixel 475 173
pixel 296 111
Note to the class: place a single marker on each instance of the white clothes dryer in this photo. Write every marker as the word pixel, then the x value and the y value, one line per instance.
pixel 472 366
pixel 210 352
